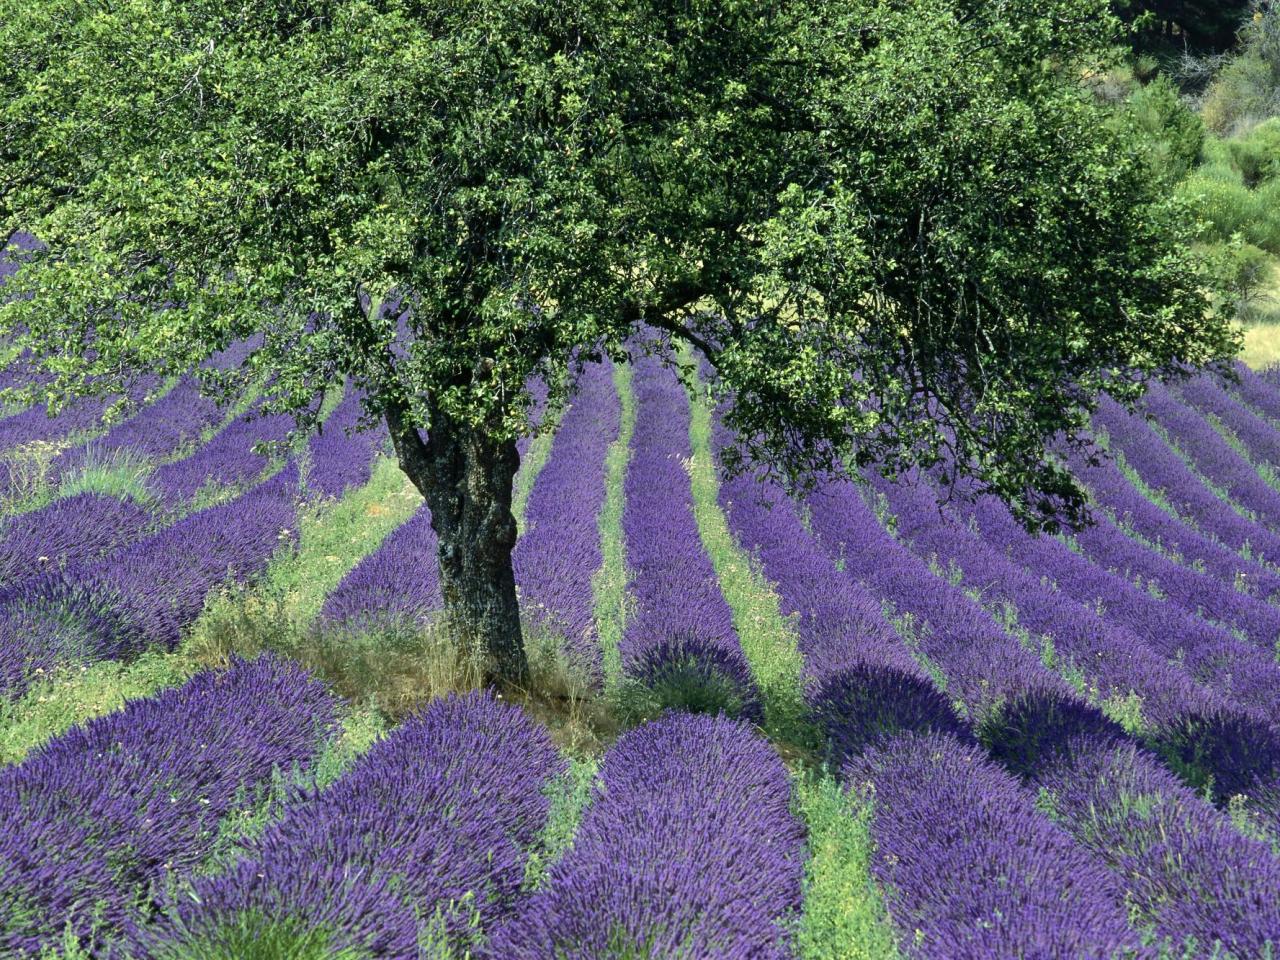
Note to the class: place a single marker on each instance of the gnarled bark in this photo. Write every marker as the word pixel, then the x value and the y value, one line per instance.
pixel 466 476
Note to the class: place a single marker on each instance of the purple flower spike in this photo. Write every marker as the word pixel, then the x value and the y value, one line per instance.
pixel 969 865
pixel 428 834
pixel 93 822
pixel 680 639
pixel 559 551
pixel 688 850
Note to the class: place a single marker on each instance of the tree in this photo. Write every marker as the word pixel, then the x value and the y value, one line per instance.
pixel 897 229
pixel 1194 26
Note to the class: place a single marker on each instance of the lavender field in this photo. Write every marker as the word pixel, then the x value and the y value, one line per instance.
pixel 861 725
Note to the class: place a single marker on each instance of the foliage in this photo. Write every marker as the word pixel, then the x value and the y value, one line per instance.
pixel 1257 154
pixel 1175 134
pixel 844 915
pixel 1246 90
pixel 1247 270
pixel 1198 25
pixel 1229 208
pixel 900 200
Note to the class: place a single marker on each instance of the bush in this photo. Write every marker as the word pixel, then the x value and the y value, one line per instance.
pixel 1244 270
pixel 1266 231
pixel 1243 93
pixel 1257 154
pixel 1216 162
pixel 1226 207
pixel 1246 90
pixel 1174 133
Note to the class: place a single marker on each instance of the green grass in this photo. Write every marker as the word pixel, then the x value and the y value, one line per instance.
pixel 30 486
pixel 72 695
pixel 1261 345
pixel 120 475
pixel 768 641
pixel 297 582
pixel 535 458
pixel 844 916
pixel 609 585
pixel 252 814
pixel 570 795
pixel 334 537
pixel 255 935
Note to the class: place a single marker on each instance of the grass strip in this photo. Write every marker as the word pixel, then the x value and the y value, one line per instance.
pixel 609 585
pixel 768 642
pixel 569 798
pixel 844 915
pixel 75 694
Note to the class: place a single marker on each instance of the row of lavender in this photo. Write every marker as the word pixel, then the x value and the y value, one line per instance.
pixel 92 578
pixel 726 883
pixel 947 818
pixel 1205 694
pixel 688 847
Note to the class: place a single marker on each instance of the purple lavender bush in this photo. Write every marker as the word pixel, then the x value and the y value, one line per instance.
pixel 35 424
pixel 227 460
pixel 1213 456
pixel 559 551
pixel 1207 395
pixel 969 867
pixel 679 640
pixel 81 528
pixel 395 586
pixel 1202 739
pixel 1172 534
pixel 144 593
pixel 981 662
pixel 93 823
pixel 1258 389
pixel 1196 593
pixel 861 681
pixel 689 849
pixel 1196 884
pixel 1165 472
pixel 340 456
pixel 175 419
pixel 425 838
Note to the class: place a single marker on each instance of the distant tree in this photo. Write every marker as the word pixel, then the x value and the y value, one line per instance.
pixel 898 229
pixel 1194 26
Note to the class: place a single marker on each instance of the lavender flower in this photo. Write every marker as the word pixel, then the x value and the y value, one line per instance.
pixel 559 550
pixel 80 528
pixel 1213 456
pixel 1193 879
pixel 144 593
pixel 340 456
pixel 1165 472
pixel 680 639
pixel 395 586
pixel 972 868
pixel 227 460
pixel 427 835
pixel 689 850
pixel 93 822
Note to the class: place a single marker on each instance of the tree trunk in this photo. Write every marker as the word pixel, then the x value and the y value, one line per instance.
pixel 466 477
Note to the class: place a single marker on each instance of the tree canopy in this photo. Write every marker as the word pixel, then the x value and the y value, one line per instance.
pixel 898 229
